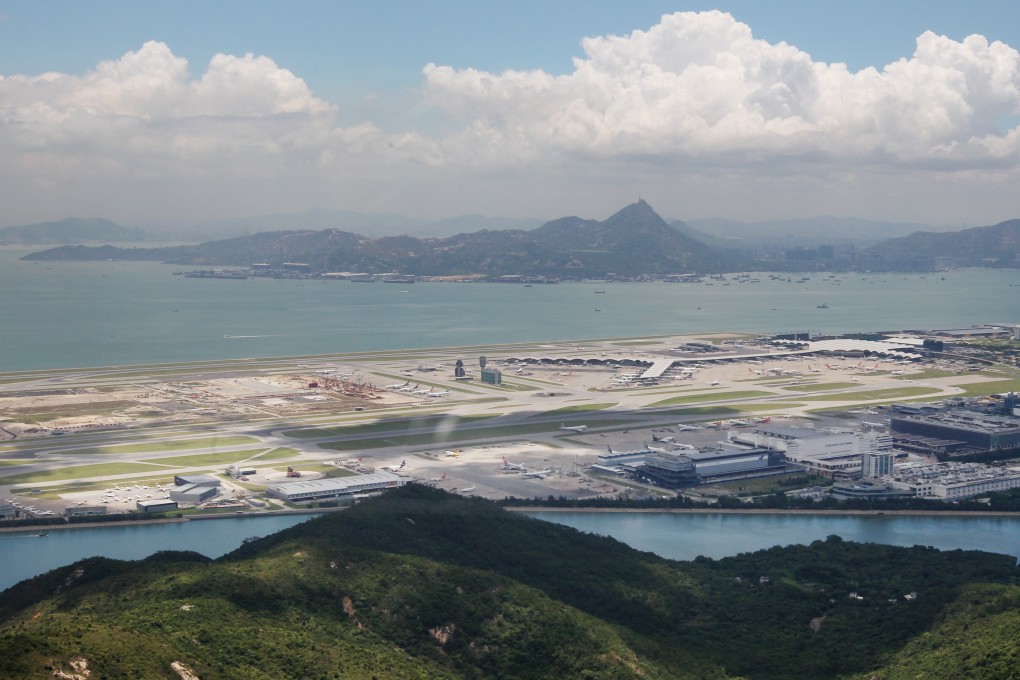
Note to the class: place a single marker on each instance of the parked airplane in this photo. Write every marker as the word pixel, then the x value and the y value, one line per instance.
pixel 438 394
pixel 436 480
pixel 653 449
pixel 397 386
pixel 395 468
pixel 687 428
pixel 537 474
pixel 507 465
pixel 663 440
pixel 467 489
pixel 714 383
pixel 452 454
pixel 574 428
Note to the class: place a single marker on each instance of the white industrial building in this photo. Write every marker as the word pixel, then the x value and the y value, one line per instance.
pixel 321 489
pixel 823 452
pixel 952 481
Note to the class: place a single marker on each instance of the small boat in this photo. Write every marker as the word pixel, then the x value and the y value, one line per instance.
pixel 824 305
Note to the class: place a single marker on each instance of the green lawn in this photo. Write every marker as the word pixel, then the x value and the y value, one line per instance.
pixel 820 387
pixel 385 426
pixel 731 409
pixel 279 453
pixel 895 393
pixel 710 396
pixel 79 472
pixel 210 459
pixel 578 408
pixel 445 436
pixel 985 388
pixel 168 446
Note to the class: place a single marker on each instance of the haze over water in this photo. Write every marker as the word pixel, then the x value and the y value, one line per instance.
pixel 76 314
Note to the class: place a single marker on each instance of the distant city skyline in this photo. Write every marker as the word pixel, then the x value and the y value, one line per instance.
pixel 190 111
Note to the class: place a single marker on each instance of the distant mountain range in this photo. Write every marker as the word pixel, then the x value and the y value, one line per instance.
pixel 994 246
pixel 632 242
pixel 367 224
pixel 806 232
pixel 71 230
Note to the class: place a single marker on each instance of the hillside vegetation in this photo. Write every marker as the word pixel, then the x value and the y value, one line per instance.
pixel 421 584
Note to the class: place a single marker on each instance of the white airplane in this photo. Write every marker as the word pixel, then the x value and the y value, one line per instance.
pixel 395 468
pixel 653 449
pixel 537 474
pixel 436 480
pixel 396 386
pixel 574 428
pixel 452 454
pixel 714 383
pixel 687 428
pixel 422 392
pixel 663 440
pixel 467 489
pixel 438 394
pixel 507 465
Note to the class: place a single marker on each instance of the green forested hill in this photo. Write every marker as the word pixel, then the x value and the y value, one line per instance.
pixel 420 584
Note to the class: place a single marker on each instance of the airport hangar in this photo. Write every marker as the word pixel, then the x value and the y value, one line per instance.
pixel 325 489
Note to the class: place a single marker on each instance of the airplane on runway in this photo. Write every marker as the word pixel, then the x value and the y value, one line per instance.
pixel 467 489
pixel 686 428
pixel 714 383
pixel 574 428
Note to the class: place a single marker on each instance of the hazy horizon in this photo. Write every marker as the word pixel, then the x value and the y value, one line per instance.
pixel 438 110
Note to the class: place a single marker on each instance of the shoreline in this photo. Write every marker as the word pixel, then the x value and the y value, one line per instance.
pixel 774 511
pixel 36 528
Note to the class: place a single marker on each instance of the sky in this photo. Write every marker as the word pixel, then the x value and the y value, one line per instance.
pixel 158 112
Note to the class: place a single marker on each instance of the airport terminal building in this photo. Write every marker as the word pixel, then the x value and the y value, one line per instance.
pixel 327 489
pixel 687 468
pixel 980 431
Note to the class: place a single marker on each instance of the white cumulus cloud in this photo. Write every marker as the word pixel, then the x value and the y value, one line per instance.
pixel 701 86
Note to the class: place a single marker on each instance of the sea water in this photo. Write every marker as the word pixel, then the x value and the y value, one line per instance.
pixel 77 314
